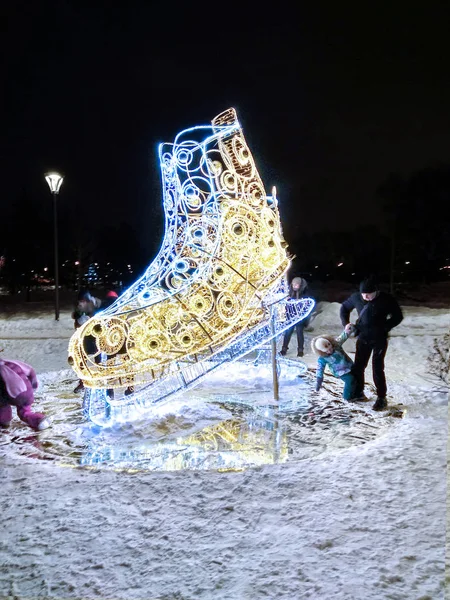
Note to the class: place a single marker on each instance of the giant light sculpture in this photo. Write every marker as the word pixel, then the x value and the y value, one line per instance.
pixel 215 291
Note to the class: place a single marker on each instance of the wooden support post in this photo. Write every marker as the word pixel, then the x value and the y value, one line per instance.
pixel 274 358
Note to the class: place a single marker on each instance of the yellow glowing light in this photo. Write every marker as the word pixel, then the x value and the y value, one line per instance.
pixel 222 255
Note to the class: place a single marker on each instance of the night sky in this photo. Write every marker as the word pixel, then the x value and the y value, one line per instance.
pixel 332 100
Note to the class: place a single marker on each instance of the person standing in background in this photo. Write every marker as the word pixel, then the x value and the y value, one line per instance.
pixel 297 290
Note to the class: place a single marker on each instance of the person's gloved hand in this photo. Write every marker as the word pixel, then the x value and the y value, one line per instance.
pixel 319 382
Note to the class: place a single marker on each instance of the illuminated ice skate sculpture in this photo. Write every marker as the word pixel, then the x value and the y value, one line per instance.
pixel 215 291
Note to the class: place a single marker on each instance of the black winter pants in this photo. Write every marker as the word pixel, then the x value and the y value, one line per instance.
pixel 364 349
pixel 300 337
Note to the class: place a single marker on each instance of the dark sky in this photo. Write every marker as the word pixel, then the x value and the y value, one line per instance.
pixel 332 99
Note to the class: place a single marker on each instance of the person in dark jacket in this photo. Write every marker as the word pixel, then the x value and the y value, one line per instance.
pixel 378 313
pixel 297 290
pixel 87 306
pixel 110 298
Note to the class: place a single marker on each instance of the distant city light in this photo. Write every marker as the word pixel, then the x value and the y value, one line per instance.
pixel 45 268
pixel 340 264
pixel 316 266
pixel 77 262
pixel 407 262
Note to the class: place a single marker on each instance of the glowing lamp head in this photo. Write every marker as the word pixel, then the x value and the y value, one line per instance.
pixel 54 181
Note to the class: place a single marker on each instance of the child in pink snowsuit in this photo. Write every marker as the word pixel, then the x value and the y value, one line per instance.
pixel 17 382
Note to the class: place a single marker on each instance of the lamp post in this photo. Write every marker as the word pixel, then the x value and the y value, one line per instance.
pixel 54 181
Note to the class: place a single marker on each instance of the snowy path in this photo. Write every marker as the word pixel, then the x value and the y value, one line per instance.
pixel 358 523
pixel 367 523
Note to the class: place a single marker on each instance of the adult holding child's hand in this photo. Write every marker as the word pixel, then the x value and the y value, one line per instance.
pixel 378 313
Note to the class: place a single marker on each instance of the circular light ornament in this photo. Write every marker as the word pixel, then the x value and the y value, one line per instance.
pixel 112 335
pixel 184 157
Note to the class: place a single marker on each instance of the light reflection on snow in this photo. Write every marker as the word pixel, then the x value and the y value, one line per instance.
pixel 232 444
pixel 226 424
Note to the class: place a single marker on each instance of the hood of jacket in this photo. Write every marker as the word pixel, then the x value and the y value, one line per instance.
pixel 316 350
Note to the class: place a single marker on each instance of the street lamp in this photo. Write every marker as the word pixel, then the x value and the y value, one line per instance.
pixel 54 181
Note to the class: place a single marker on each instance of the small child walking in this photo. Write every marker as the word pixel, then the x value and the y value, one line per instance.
pixel 332 355
pixel 17 382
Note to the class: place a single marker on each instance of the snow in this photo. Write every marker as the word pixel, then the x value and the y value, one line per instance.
pixel 356 511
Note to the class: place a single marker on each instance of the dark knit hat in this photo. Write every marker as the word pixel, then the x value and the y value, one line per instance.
pixel 84 295
pixel 369 285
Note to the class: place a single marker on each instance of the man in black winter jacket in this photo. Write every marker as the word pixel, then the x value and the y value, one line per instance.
pixel 378 313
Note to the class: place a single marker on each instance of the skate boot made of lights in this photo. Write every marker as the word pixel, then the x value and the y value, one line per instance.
pixel 210 293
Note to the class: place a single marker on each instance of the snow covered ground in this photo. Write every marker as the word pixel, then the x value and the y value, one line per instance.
pixel 350 505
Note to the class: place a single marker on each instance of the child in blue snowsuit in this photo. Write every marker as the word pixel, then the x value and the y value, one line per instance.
pixel 332 355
